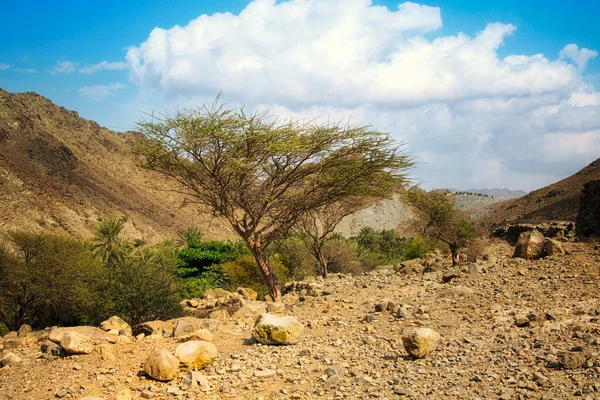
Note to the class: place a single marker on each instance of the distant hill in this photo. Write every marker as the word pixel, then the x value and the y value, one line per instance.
pixel 61 172
pixel 559 201
pixel 500 193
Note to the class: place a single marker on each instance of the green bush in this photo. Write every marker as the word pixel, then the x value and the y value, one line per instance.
pixel 243 272
pixel 295 257
pixel 417 247
pixel 196 259
pixel 47 279
pixel 3 329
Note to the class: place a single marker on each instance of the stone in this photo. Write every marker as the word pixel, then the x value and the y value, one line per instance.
pixel 271 329
pixel 160 328
pixel 552 248
pixel 522 321
pixel 147 394
pixel 24 330
pixel 275 308
pixel 247 293
pixel 96 335
pixel 219 315
pixel 457 291
pixel 572 359
pixel 161 365
pixel 61 393
pixel 115 323
pixel 529 245
pixel 265 374
pixel 196 353
pixel 186 326
pixel 52 348
pixel 410 267
pixel 76 343
pixel 250 310
pixel 200 334
pixel 420 342
pixel 216 293
pixel 9 359
pixel 14 343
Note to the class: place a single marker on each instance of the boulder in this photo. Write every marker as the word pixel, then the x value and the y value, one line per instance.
pixel 270 329
pixel 247 293
pixel 196 353
pixel 200 334
pixel 420 342
pixel 116 324
pixel 216 293
pixel 552 248
pixel 275 308
pixel 161 365
pixel 250 310
pixel 76 343
pixel 219 315
pixel 160 328
pixel 52 348
pixel 9 358
pixel 185 326
pixel 96 335
pixel 24 330
pixel 410 267
pixel 529 245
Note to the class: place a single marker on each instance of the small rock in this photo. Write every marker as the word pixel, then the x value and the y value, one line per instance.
pixel 115 323
pixel 572 360
pixel 522 321
pixel 265 374
pixel 421 342
pixel 9 359
pixel 24 330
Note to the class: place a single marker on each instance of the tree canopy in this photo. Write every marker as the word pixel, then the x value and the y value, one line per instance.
pixel 263 174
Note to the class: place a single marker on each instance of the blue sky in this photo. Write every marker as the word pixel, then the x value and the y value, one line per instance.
pixel 37 36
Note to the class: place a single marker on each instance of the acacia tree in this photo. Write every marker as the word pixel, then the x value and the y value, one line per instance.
pixel 262 174
pixel 317 225
pixel 439 220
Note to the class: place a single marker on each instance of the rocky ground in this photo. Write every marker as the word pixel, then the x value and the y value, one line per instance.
pixel 510 329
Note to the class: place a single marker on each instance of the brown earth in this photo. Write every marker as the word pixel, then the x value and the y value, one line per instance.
pixel 510 329
pixel 556 202
pixel 61 172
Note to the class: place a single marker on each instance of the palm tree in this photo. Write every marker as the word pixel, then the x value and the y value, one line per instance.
pixel 190 236
pixel 107 244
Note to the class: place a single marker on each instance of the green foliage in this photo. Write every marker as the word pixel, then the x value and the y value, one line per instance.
pixel 46 279
pixel 416 247
pixel 196 260
pixel 292 252
pixel 3 329
pixel 142 287
pixel 243 272
pixel 438 220
pixel 190 237
pixel 341 257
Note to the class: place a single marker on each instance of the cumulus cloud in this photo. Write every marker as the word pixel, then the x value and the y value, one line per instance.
pixel 104 65
pixel 100 92
pixel 472 117
pixel 64 67
pixel 4 66
pixel 580 57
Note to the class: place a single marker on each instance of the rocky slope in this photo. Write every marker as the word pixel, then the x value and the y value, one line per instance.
pixel 559 201
pixel 61 172
pixel 510 329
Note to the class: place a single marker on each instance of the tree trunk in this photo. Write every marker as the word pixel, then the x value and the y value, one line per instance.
pixel 267 271
pixel 323 266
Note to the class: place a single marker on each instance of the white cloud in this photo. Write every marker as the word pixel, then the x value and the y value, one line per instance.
pixel 104 65
pixel 473 117
pixel 580 57
pixel 100 92
pixel 4 66
pixel 64 67
pixel 26 70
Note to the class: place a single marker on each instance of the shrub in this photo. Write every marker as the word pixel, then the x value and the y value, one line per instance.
pixel 196 259
pixel 243 272
pixel 342 258
pixel 295 257
pixel 416 247
pixel 47 279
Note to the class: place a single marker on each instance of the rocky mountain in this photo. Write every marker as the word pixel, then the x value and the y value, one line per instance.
pixel 559 201
pixel 61 172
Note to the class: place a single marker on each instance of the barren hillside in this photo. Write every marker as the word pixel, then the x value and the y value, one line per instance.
pixel 61 172
pixel 559 201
